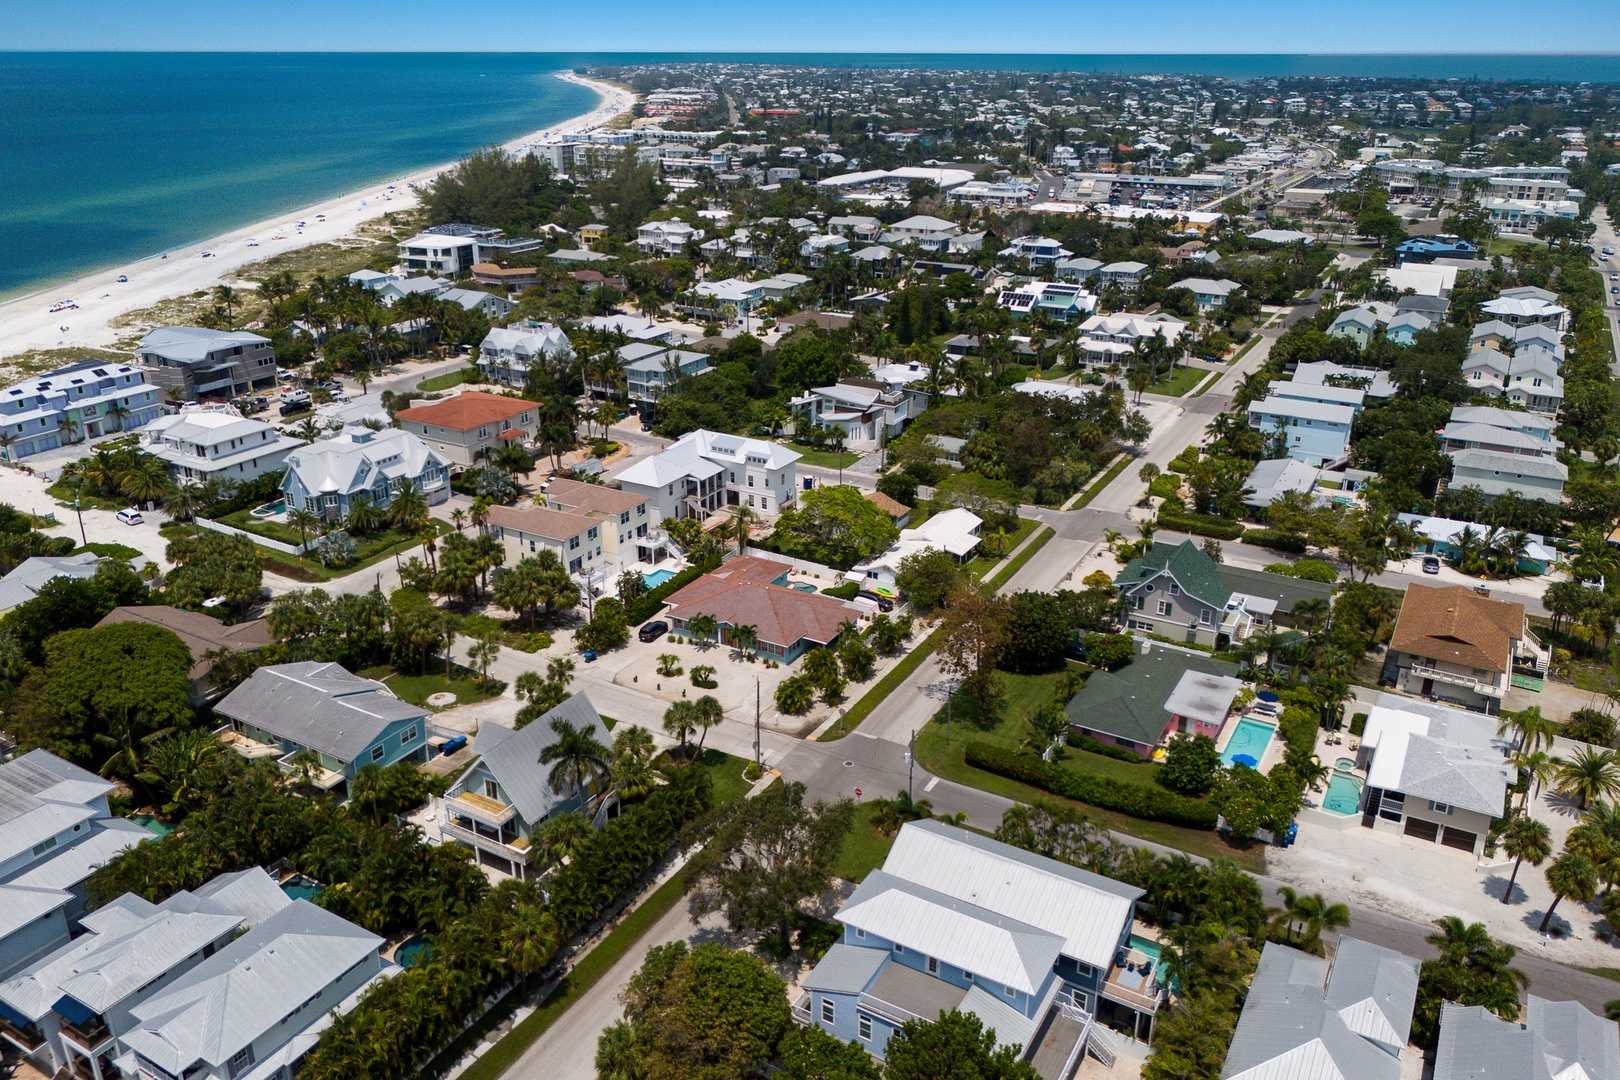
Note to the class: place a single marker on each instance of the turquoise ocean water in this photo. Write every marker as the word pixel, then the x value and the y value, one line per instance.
pixel 112 157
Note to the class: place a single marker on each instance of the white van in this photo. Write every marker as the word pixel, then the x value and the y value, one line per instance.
pixel 130 516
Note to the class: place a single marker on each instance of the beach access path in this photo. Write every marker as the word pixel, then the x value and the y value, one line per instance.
pixel 27 323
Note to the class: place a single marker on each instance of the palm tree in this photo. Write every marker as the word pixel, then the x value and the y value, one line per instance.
pixel 1524 838
pixel 458 518
pixel 706 713
pixel 576 757
pixel 1570 875
pixel 484 652
pixel 1539 767
pixel 564 836
pixel 408 511
pixel 226 297
pixel 680 720
pixel 1589 774
pixel 364 517
pixel 746 639
pixel 703 627
pixel 303 519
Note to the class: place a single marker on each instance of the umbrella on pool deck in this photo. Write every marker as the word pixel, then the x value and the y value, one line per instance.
pixel 1244 759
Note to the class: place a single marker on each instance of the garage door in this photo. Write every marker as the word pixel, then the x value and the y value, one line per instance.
pixel 1423 830
pixel 1457 838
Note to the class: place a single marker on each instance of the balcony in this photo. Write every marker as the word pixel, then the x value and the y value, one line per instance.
pixel 1134 988
pixel 27 1039
pixel 801 1008
pixel 517 848
pixel 1491 688
pixel 245 746
pixel 90 1034
pixel 482 808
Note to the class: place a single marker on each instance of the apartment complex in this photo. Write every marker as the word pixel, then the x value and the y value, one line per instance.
pixel 81 401
pixel 191 363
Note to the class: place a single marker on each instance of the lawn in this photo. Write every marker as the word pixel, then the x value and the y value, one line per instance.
pixel 864 848
pixel 62 491
pixel 416 689
pixel 372 549
pixel 826 458
pixel 981 564
pixel 449 379
pixel 1178 382
pixel 1024 694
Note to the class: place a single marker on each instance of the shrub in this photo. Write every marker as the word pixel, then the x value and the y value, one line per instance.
pixel 1097 746
pixel 1276 541
pixel 1137 800
pixel 1185 460
pixel 796 694
pixel 1191 765
pixel 1590 726
pixel 1307 569
pixel 846 591
pixel 1199 524
pixel 1358 723
pixel 1108 651
pixel 1165 486
pixel 703 677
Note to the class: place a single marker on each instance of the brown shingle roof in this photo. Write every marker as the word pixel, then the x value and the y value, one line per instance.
pixel 539 521
pixel 736 595
pixel 893 507
pixel 466 411
pixel 200 633
pixel 583 498
pixel 1452 622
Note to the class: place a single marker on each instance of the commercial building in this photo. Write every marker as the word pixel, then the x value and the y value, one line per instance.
pixel 202 445
pixel 467 427
pixel 191 363
pixel 80 401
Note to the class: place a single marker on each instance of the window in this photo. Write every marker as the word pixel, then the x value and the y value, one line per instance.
pixel 829 1012
pixel 899 948
pixel 1164 607
pixel 933 965
pixel 408 735
pixel 491 789
pixel 1150 587
pixel 1206 617
pixel 864 1028
pixel 750 479
pixel 44 845
pixel 1011 992
pixel 1440 807
pixel 968 975
pixel 376 753
pixel 573 543
pixel 240 1061
pixel 1140 602
pixel 1175 590
pixel 859 932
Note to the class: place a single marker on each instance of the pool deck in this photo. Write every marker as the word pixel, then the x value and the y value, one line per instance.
pixel 1275 750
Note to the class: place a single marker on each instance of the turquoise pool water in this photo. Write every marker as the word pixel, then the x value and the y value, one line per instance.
pixel 657 578
pixel 301 888
pixel 804 586
pixel 1250 737
pixel 152 824
pixel 414 951
pixel 1153 951
pixel 1343 794
pixel 271 509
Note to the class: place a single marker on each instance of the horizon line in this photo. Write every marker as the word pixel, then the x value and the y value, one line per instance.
pixel 769 52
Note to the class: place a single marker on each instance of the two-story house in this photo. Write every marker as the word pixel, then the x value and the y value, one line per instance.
pixel 865 410
pixel 523 531
pixel 1307 431
pixel 630 533
pixel 327 474
pixel 282 710
pixel 928 233
pixel 505 796
pixel 1208 293
pixel 1494 473
pixel 1035 250
pixel 81 401
pixel 253 1009
pixel 1126 276
pixel 191 363
pixel 651 369
pixel 666 238
pixel 55 830
pixel 1179 591
pixel 1038 950
pixel 1452 644
pixel 200 445
pixel 467 427
pixel 703 471
pixel 506 353
pixel 1526 306
pixel 1562 1039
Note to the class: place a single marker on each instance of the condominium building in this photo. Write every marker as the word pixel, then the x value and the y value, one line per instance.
pixel 191 363
pixel 81 401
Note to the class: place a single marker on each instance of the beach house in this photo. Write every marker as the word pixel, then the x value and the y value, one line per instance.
pixel 752 591
pixel 326 475
pixel 1452 644
pixel 1208 293
pixel 1528 306
pixel 650 369
pixel 1038 950
pixel 467 427
pixel 80 401
pixel 1435 775
pixel 629 531
pixel 25 580
pixel 191 363
pixel 505 796
pixel 1307 1018
pixel 865 410
pixel 1058 300
pixel 202 445
pixel 1494 473
pixel 506 353
pixel 954 531
pixel 703 471
pixel 1551 1040
pixel 525 530
pixel 282 710
pixel 1307 431
pixel 1159 694
pixel 666 238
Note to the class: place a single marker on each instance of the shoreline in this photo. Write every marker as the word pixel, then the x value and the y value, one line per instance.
pixel 26 324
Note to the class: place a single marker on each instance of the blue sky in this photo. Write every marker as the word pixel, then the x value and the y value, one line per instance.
pixel 1089 26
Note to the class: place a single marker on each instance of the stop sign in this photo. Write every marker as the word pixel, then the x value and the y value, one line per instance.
pixel 857 793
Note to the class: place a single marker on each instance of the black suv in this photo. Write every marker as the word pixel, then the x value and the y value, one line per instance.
pixel 653 631
pixel 883 602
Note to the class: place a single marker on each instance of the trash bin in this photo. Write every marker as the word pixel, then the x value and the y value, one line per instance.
pixel 590 655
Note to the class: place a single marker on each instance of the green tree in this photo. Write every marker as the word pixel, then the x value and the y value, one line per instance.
pixel 927 578
pixel 578 761
pixel 1472 969
pixel 768 854
pixel 957 1046
pixel 809 1053
pixel 1525 839
pixel 1191 765
pixel 607 628
pixel 1589 774
pixel 836 525
pixel 1571 875
pixel 1038 631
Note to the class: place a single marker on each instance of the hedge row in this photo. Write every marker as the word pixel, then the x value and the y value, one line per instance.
pixel 1276 541
pixel 1097 746
pixel 1199 524
pixel 1137 800
pixel 651 602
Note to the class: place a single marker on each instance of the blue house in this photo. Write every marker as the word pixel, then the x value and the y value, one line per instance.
pixel 1310 431
pixel 1040 951
pixel 325 476
pixel 283 710
pixel 1429 248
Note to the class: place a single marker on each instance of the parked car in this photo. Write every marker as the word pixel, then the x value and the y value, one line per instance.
pixel 883 602
pixel 1431 564
pixel 653 631
pixel 288 408
pixel 122 278
pixel 131 516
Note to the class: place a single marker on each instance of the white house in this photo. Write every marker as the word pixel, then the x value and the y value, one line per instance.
pixel 705 470
pixel 928 233
pixel 439 253
pixel 199 445
pixel 1036 250
pixel 1059 299
pixel 506 354
pixel 955 531
pixel 1526 306
pixel 666 237
pixel 864 409
pixel 1310 431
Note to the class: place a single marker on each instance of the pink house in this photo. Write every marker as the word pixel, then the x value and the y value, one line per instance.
pixel 1159 694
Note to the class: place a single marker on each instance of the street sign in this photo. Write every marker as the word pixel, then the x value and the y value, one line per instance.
pixel 857 793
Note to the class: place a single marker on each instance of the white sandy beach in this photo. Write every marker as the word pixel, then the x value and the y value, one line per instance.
pixel 27 323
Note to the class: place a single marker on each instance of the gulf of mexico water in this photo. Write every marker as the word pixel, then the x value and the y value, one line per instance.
pixel 113 157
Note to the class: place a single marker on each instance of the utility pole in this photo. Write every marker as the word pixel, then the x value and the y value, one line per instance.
pixel 758 762
pixel 950 700
pixel 911 762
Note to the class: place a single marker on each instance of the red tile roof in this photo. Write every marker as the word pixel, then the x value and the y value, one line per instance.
pixel 781 616
pixel 466 411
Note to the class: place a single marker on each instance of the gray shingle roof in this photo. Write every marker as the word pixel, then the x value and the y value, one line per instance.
pixel 846 969
pixel 513 757
pixel 1130 702
pixel 25 581
pixel 318 705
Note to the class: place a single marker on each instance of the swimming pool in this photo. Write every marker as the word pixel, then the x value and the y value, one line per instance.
pixel 1250 737
pixel 1345 764
pixel 657 578
pixel 1343 794
pixel 271 509
pixel 413 951
pixel 152 824
pixel 1153 951
pixel 803 586
pixel 300 887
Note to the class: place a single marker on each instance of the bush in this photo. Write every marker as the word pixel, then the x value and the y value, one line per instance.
pixel 255 492
pixel 651 602
pixel 1590 726
pixel 1191 765
pixel 703 677
pixel 1137 800
pixel 1165 486
pixel 1198 524
pixel 1358 723
pixel 1186 459
pixel 1097 746
pixel 1276 541
pixel 846 591
pixel 1307 569
pixel 1108 651
pixel 796 694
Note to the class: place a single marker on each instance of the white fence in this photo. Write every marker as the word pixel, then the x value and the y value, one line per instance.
pixel 264 541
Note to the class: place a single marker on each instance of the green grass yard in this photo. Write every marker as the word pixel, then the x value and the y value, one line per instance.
pixel 809 455
pixel 982 564
pixel 416 689
pixel 864 848
pixel 1178 382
